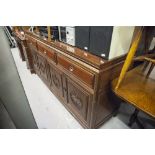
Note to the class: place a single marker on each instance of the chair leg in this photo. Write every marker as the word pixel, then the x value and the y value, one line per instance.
pixel 145 66
pixel 150 70
pixel 133 117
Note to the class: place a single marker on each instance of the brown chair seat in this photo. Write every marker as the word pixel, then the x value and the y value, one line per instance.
pixel 138 90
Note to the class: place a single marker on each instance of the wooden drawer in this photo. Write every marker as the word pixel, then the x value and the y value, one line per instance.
pixel 47 51
pixel 79 72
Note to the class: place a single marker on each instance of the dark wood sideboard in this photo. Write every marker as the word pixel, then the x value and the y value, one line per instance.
pixel 80 80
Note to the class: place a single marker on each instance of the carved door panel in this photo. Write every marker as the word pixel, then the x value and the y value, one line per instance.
pixel 43 68
pixel 56 80
pixel 78 99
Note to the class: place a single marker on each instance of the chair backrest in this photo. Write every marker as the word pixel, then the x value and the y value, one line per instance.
pixel 130 56
pixel 149 58
pixel 151 67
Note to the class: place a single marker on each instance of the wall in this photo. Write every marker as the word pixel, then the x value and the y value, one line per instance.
pixel 11 90
pixel 121 40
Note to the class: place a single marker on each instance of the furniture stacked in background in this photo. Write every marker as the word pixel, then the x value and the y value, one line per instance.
pixel 107 42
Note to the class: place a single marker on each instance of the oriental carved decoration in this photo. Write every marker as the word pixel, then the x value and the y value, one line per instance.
pixel 76 100
pixel 56 81
pixel 42 68
pixel 35 61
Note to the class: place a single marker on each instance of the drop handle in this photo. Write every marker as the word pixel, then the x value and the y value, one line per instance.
pixel 71 68
pixel 85 54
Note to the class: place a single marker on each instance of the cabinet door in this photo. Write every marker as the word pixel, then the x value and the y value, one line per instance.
pixel 78 99
pixel 43 68
pixel 39 63
pixel 56 80
pixel 82 37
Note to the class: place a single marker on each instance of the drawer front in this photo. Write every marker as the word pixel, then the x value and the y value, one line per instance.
pixel 47 52
pixel 79 72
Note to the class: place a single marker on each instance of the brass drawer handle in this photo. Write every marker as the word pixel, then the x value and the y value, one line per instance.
pixel 71 68
pixel 85 54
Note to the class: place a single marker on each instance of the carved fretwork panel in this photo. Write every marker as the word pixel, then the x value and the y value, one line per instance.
pixel 35 59
pixel 43 68
pixel 40 65
pixel 56 80
pixel 78 99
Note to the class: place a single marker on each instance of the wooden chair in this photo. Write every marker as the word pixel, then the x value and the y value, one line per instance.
pixel 136 86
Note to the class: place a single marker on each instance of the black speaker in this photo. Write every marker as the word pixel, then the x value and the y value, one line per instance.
pixel 82 37
pixel 100 40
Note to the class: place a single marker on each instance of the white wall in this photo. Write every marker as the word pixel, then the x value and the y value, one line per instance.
pixel 121 40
